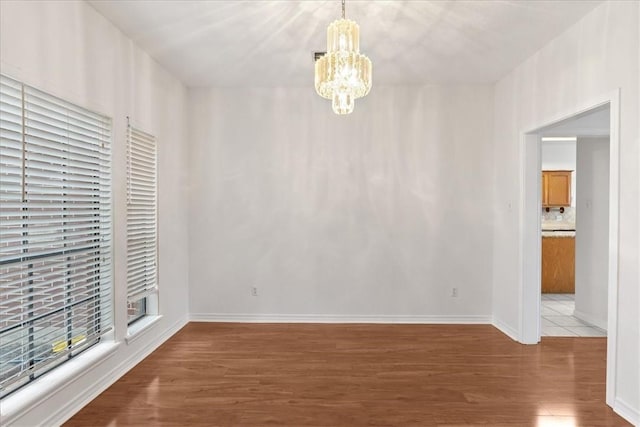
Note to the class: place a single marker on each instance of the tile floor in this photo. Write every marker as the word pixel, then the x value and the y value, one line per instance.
pixel 558 319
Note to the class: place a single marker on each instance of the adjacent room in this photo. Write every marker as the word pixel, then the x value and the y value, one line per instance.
pixel 575 225
pixel 319 212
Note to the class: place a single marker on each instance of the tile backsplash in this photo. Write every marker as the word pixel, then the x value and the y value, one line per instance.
pixel 554 216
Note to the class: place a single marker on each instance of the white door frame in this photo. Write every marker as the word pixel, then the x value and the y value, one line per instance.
pixel 530 230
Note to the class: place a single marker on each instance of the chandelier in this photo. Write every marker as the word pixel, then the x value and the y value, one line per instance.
pixel 343 73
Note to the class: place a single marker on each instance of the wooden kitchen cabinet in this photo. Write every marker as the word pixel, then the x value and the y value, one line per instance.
pixel 556 188
pixel 558 265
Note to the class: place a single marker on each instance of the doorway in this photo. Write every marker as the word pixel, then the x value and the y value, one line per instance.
pixel 530 234
pixel 574 226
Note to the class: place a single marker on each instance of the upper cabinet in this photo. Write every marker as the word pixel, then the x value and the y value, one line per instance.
pixel 556 188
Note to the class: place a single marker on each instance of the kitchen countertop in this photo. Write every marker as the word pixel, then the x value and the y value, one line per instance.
pixel 558 225
pixel 558 229
pixel 563 233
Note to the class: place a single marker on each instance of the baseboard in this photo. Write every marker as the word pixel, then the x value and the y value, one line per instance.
pixel 506 329
pixel 67 411
pixel 590 319
pixel 333 318
pixel 627 412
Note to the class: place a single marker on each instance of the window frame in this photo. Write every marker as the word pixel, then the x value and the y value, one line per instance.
pixel 41 115
pixel 150 295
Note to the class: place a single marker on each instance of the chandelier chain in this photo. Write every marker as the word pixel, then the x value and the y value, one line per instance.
pixel 343 9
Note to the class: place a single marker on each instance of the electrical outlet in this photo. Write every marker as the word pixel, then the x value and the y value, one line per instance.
pixel 454 292
pixel 254 291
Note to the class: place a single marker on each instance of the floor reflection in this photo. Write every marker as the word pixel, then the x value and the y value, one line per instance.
pixel 556 421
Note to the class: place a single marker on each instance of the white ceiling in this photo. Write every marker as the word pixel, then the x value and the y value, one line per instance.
pixel 270 43
pixel 594 122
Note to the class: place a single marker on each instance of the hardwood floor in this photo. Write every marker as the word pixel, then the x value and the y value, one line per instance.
pixel 223 374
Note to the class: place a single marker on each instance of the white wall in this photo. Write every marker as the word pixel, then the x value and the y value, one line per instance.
pixel 68 49
pixel 375 216
pixel 561 156
pixel 594 57
pixel 592 230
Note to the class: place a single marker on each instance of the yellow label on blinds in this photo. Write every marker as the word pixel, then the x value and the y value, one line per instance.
pixel 61 345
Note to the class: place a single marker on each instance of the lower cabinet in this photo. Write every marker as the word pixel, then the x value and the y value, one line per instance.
pixel 558 265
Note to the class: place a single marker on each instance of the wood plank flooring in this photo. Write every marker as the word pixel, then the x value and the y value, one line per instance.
pixel 225 374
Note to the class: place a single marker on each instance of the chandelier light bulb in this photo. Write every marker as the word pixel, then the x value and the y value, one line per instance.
pixel 343 73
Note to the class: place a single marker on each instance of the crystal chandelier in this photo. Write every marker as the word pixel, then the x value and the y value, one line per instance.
pixel 343 73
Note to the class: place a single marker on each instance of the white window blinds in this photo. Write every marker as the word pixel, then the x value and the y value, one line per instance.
pixel 55 231
pixel 141 215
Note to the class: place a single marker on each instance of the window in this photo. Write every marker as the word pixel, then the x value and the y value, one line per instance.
pixel 141 222
pixel 55 232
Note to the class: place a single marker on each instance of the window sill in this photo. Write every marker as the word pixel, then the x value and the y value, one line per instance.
pixel 141 327
pixel 32 394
